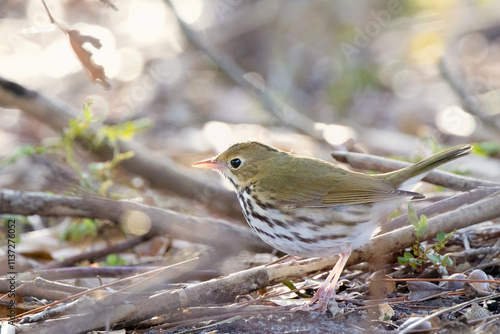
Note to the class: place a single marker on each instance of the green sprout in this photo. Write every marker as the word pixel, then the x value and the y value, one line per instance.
pixel 419 253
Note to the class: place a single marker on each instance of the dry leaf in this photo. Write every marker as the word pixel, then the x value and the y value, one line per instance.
pixel 419 290
pixel 476 312
pixel 386 312
pixel 380 288
pixel 96 72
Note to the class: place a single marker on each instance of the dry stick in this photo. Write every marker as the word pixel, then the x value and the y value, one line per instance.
pixel 160 171
pixel 40 288
pixel 440 178
pixel 147 276
pixel 444 205
pixel 285 113
pixel 113 272
pixel 205 230
pixel 100 253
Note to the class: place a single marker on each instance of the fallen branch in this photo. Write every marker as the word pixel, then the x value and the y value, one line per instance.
pixel 40 288
pixel 100 253
pixel 447 204
pixel 383 165
pixel 160 171
pixel 112 272
pixel 204 230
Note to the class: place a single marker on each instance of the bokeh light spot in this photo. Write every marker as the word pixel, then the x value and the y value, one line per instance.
pixel 455 121
pixel 136 222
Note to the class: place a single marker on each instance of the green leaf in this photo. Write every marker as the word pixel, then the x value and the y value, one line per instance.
pixel 290 285
pixel 22 151
pixel 433 258
pixel 422 226
pixel 486 148
pixel 402 260
pixel 114 260
pixel 447 261
pixel 441 236
pixel 412 215
pixel 414 262
pixel 408 255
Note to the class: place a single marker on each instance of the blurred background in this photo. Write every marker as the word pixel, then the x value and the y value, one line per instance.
pixel 365 73
pixel 392 78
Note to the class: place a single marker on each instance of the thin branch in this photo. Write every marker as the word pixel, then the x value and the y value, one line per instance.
pixel 444 205
pixel 100 253
pixel 40 288
pixel 217 233
pixel 113 272
pixel 285 113
pixel 414 325
pixel 470 102
pixel 160 171
pixel 379 164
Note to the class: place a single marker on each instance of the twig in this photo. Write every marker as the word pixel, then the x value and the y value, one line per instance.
pixel 40 288
pixel 285 113
pixel 171 270
pixel 205 230
pixel 445 310
pixel 113 272
pixel 100 253
pixel 470 103
pixel 444 205
pixel 380 164
pixel 160 171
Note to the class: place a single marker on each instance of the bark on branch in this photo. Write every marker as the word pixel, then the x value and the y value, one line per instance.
pixel 160 171
pixel 204 230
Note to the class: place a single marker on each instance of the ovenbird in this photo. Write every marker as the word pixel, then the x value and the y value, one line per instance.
pixel 307 207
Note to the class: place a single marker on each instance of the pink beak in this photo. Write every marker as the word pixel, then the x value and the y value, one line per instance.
pixel 209 163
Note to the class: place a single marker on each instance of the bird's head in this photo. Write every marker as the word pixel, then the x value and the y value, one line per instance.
pixel 241 162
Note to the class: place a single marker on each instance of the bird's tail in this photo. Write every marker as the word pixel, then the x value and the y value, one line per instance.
pixel 408 176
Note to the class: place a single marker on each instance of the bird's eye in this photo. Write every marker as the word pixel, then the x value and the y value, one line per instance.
pixel 235 163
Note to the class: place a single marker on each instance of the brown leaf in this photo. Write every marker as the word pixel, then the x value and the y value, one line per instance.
pixel 380 288
pixel 419 290
pixel 95 72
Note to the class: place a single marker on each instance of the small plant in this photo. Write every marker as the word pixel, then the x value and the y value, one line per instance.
pixel 420 253
pixel 114 260
pixel 486 149
pixel 81 228
pixel 97 177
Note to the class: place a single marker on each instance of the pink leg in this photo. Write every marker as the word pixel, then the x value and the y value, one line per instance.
pixel 327 289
